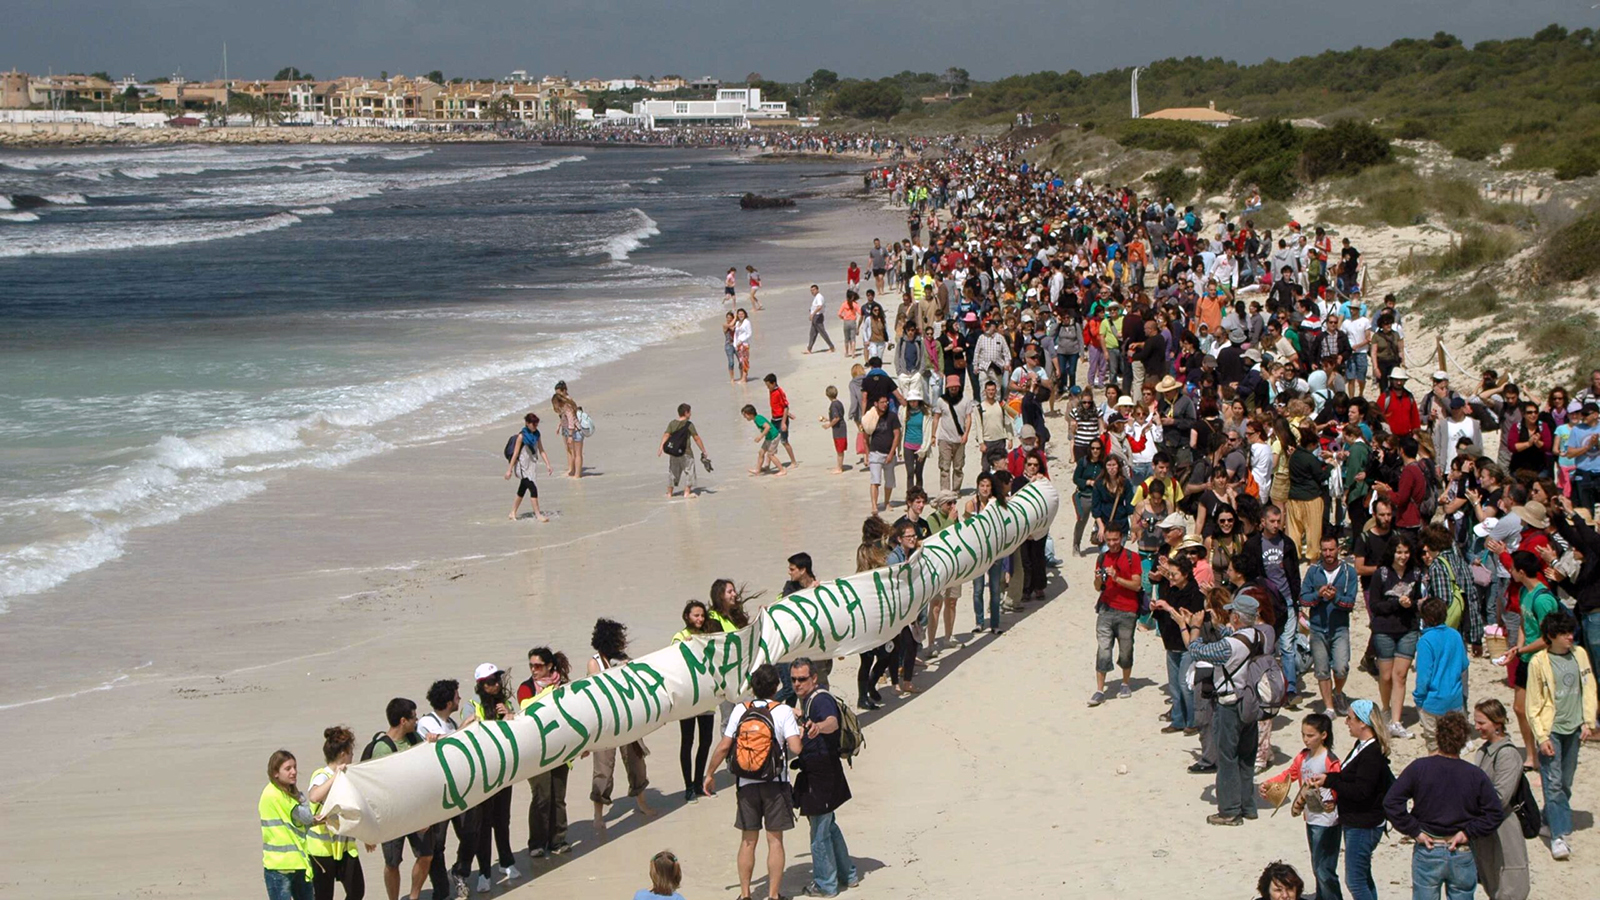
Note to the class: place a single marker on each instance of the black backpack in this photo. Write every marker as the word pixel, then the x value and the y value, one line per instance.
pixel 511 445
pixel 383 737
pixel 678 441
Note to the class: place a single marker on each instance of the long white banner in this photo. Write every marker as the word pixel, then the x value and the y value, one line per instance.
pixel 404 792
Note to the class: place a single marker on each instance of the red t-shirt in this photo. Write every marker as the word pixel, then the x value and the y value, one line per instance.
pixel 780 405
pixel 1126 564
pixel 1400 412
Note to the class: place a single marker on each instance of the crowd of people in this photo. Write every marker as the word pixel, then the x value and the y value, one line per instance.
pixel 1253 467
pixel 808 140
pixel 1244 496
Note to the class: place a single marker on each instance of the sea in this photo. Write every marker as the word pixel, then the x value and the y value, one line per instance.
pixel 182 327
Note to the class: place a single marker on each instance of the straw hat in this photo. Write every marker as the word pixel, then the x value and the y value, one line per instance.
pixel 1168 384
pixel 1276 792
pixel 1533 514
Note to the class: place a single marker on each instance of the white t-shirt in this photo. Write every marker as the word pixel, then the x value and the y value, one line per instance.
pixel 431 723
pixel 1455 431
pixel 783 722
pixel 817 302
pixel 1358 331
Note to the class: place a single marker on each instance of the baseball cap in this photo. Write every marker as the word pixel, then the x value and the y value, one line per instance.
pixel 1244 604
pixel 1029 432
pixel 485 671
pixel 1457 403
pixel 1116 419
pixel 1441 375
pixel 1590 408
pixel 1173 520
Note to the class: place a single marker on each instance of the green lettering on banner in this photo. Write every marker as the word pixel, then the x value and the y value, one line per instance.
pixel 784 607
pixel 885 605
pixel 960 534
pixel 619 681
pixel 699 666
pixel 732 659
pixel 483 760
pixel 824 598
pixel 808 609
pixel 545 759
pixel 455 797
pixel 853 606
pixel 583 733
pixel 910 592
pixel 651 686
pixel 603 683
pixel 940 559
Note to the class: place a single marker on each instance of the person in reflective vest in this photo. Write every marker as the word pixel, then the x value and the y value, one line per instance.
pixel 333 856
pixel 285 815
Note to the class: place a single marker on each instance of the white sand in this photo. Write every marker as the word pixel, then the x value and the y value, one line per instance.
pixel 998 782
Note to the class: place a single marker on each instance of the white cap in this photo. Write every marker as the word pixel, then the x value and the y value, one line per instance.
pixel 1441 375
pixel 485 670
pixel 1486 527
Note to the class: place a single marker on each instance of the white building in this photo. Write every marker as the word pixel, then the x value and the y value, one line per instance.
pixel 733 108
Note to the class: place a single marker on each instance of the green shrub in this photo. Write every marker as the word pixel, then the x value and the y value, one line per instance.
pixel 1155 134
pixel 1580 162
pixel 1172 182
pixel 1344 149
pixel 1476 249
pixel 1571 252
pixel 867 100
pixel 1261 146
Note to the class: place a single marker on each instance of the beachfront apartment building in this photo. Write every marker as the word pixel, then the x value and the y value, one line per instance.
pixel 732 108
pixel 19 90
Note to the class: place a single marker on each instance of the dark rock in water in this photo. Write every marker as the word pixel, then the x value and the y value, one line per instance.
pixel 753 201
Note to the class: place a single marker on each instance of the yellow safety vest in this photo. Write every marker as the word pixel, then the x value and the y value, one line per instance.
pixel 724 621
pixel 283 843
pixel 320 839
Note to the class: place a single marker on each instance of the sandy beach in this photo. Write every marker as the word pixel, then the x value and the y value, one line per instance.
pixel 145 723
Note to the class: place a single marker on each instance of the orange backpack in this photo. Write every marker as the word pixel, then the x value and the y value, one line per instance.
pixel 756 753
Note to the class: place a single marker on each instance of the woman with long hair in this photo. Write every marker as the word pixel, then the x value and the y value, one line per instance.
pixel 1085 473
pixel 696 621
pixel 1317 804
pixel 744 331
pixel 989 490
pixel 1393 598
pixel 849 314
pixel 567 412
pixel 547 811
pixel 872 553
pixel 1502 857
pixel 492 701
pixel 1359 786
pixel 1113 497
pixel 610 643
pixel 285 815
pixel 333 856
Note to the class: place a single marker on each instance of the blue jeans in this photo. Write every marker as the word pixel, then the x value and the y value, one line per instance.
pixel 1556 772
pixel 1358 846
pixel 1324 843
pixel 1440 867
pixel 1590 623
pixel 1287 653
pixel 1069 368
pixel 288 885
pixel 995 580
pixel 1236 760
pixel 1182 697
pixel 830 858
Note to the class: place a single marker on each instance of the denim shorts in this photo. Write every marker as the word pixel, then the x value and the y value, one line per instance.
pixel 1355 368
pixel 1330 653
pixel 1388 646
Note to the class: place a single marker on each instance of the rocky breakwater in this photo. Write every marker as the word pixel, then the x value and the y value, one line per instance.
pixel 78 134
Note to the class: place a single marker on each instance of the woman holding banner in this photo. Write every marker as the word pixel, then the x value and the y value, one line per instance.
pixel 610 643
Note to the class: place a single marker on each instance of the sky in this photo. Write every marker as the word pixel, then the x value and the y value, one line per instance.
pixel 782 40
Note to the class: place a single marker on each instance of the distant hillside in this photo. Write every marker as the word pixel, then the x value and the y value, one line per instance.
pixel 1540 94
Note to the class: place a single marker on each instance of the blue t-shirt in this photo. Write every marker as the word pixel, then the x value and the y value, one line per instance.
pixel 913 432
pixel 647 894
pixel 1588 462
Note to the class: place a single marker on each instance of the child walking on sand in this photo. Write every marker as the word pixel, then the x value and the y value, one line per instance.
pixel 665 876
pixel 526 450
pixel 755 285
pixel 834 421
pixel 767 437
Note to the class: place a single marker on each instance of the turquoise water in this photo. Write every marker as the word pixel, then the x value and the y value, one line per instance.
pixel 184 326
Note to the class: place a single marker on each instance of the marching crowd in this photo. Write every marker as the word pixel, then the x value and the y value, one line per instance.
pixel 1245 498
pixel 1253 467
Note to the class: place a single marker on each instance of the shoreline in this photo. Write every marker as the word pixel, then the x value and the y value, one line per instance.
pixel 312 605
